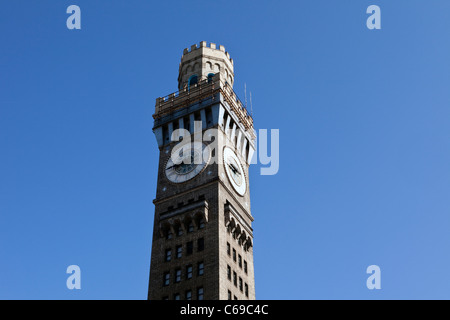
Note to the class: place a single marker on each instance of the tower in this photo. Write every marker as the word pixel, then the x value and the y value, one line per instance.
pixel 202 244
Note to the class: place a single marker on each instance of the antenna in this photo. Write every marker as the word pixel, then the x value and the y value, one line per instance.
pixel 245 94
pixel 251 105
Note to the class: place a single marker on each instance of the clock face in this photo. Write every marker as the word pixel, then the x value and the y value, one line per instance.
pixel 185 163
pixel 235 171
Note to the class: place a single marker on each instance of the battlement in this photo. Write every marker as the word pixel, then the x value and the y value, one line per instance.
pixel 204 44
pixel 202 61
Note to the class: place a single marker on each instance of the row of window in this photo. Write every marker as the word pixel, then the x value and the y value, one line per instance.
pixel 189 249
pixel 193 80
pixel 188 295
pixel 186 122
pixel 230 294
pixel 237 258
pixel 190 228
pixel 243 287
pixel 189 271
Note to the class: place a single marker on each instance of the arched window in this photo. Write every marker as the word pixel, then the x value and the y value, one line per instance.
pixel 190 227
pixel 192 81
pixel 210 77
pixel 201 223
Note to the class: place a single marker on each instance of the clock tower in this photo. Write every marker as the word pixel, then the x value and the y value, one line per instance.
pixel 202 245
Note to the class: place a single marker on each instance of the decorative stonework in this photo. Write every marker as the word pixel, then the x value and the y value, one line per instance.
pixel 181 217
pixel 237 227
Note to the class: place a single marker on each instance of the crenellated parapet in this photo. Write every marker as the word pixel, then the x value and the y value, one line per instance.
pixel 202 61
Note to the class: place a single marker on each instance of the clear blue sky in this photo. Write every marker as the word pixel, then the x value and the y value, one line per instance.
pixel 364 120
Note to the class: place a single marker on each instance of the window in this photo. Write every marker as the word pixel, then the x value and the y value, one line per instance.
pixel 178 275
pixel 190 227
pixel 200 244
pixel 189 295
pixel 201 223
pixel 246 290
pixel 166 278
pixel 200 268
pixel 200 293
pixel 228 248
pixel 165 298
pixel 189 247
pixel 187 124
pixel 240 261
pixel 234 255
pixel 179 251
pixel 192 81
pixel 229 272
pixel 235 298
pixel 234 278
pixel 229 295
pixel 176 296
pixel 179 231
pixel 240 284
pixel 210 77
pixel 245 266
pixel 169 235
pixel 168 254
pixel 189 272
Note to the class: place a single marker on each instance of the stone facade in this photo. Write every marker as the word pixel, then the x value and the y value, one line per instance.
pixel 212 256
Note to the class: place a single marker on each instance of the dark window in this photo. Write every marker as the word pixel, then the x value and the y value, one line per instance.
pixel 165 298
pixel 240 261
pixel 189 247
pixel 179 251
pixel 169 235
pixel 189 295
pixel 240 284
pixel 229 272
pixel 178 275
pixel 229 295
pixel 168 254
pixel 234 278
pixel 165 133
pixel 234 255
pixel 245 266
pixel 228 249
pixel 200 293
pixel 176 296
pixel 246 290
pixel 192 81
pixel 190 227
pixel 166 279
pixel 187 124
pixel 201 223
pixel 179 231
pixel 209 116
pixel 200 268
pixel 200 244
pixel 235 298
pixel 189 272
pixel 210 77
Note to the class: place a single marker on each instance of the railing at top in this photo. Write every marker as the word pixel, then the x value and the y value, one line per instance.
pixel 180 99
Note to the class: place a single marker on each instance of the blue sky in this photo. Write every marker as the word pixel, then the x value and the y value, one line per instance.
pixel 364 120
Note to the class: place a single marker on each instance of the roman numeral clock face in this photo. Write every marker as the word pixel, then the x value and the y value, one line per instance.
pixel 235 171
pixel 186 163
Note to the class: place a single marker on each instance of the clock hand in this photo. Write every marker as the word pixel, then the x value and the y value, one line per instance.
pixel 174 166
pixel 235 170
